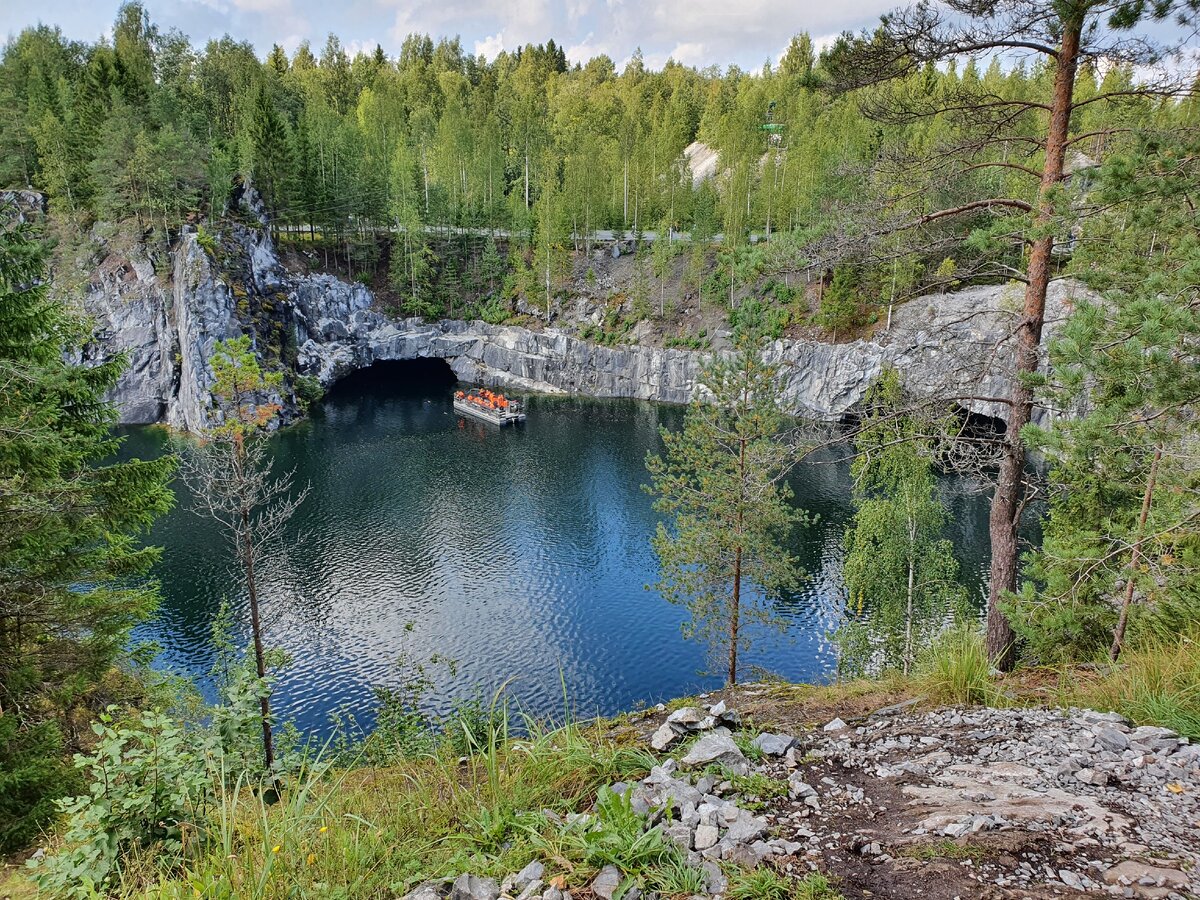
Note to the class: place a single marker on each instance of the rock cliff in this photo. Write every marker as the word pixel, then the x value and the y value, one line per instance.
pixel 953 345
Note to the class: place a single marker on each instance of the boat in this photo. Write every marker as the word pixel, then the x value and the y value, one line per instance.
pixel 489 406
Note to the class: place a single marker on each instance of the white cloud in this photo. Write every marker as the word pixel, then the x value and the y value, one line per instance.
pixel 490 46
pixel 698 32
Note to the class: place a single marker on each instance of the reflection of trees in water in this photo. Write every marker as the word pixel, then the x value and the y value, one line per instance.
pixel 409 512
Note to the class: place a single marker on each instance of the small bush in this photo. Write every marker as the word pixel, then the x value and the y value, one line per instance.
pixel 149 785
pixel 308 392
pixel 207 242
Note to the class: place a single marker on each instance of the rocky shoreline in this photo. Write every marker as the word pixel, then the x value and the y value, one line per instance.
pixel 941 804
pixel 167 314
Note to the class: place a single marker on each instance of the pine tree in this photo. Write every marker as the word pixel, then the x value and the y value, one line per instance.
pixel 1120 545
pixel 720 483
pixel 72 571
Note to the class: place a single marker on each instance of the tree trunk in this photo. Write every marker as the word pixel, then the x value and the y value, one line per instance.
pixel 1135 557
pixel 1008 499
pixel 735 612
pixel 260 664
pixel 908 614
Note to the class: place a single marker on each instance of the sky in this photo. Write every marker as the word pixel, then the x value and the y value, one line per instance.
pixel 694 32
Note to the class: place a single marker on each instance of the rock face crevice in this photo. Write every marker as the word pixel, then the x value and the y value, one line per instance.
pixel 956 345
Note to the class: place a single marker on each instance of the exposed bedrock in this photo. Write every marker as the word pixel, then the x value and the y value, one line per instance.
pixel 956 345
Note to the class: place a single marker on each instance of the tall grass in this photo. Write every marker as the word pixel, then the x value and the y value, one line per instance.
pixel 1155 685
pixel 956 670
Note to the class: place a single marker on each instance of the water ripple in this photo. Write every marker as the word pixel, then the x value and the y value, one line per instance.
pixel 522 554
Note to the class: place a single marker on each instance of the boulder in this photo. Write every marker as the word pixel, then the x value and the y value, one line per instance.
pixel 774 744
pixel 716 748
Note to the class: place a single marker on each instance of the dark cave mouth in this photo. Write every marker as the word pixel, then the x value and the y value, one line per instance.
pixel 421 375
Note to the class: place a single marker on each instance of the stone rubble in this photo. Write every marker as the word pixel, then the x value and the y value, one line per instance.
pixel 1076 803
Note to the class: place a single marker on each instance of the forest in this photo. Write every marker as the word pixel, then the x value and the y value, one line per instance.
pixel 421 162
pixel 959 144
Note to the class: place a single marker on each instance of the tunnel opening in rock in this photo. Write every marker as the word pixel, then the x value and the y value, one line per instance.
pixel 398 376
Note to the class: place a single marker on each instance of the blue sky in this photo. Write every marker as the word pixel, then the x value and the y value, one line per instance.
pixel 696 32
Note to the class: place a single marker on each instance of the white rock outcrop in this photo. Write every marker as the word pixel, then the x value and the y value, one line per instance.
pixel 956 345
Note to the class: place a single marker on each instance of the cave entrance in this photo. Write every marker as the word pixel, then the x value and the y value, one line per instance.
pixel 408 377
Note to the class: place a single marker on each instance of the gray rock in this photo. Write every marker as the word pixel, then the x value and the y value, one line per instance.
pixel 531 873
pixel 427 890
pixel 774 744
pixel 469 887
pixel 706 836
pixel 798 787
pixel 1112 740
pixel 606 883
pixel 716 748
pixel 687 716
pixel 746 829
pixel 950 344
pixel 664 737
pixel 835 725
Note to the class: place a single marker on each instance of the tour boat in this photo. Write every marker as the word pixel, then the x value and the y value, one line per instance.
pixel 489 406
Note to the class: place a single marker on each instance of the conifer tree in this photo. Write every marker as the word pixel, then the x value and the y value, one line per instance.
pixel 72 570
pixel 720 484
pixel 1121 543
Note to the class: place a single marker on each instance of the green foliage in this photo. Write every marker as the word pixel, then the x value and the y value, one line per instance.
pixel 955 669
pixel 840 308
pixel 308 392
pixel 900 572
pixel 720 485
pixel 32 774
pixel 207 242
pixel 72 571
pixel 764 883
pixel 149 785
pixel 1122 535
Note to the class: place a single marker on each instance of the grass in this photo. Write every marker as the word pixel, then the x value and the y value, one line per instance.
pixel 1153 686
pixel 768 884
pixel 757 790
pixel 378 831
pixel 927 851
pixel 957 670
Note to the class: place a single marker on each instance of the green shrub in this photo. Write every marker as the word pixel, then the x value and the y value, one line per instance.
pixel 32 777
pixel 150 781
pixel 207 242
pixel 308 391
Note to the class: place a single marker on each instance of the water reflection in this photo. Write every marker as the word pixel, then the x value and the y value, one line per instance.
pixel 523 554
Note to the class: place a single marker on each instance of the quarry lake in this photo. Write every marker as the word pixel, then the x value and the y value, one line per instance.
pixel 522 554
